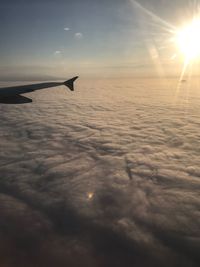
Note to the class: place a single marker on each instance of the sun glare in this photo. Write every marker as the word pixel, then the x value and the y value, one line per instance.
pixel 188 40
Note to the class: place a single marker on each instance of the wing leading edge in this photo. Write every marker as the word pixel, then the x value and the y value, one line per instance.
pixel 24 89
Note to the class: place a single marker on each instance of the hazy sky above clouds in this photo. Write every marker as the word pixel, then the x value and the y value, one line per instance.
pixel 109 37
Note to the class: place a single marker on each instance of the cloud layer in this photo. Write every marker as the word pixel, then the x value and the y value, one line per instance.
pixel 106 176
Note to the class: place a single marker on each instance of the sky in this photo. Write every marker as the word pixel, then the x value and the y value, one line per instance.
pixel 106 38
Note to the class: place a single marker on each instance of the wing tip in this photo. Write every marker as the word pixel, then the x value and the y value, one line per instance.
pixel 70 83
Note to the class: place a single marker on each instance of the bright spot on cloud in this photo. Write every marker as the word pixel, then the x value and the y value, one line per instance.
pixel 90 195
pixel 78 35
pixel 66 29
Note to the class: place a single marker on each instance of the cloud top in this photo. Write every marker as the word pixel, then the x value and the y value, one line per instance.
pixel 108 176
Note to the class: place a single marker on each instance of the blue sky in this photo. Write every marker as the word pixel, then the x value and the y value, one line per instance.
pixel 91 36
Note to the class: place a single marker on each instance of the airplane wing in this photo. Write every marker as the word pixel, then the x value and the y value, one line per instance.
pixel 16 99
pixel 23 89
pixel 70 83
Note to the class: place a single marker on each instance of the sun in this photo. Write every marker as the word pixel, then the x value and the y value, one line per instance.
pixel 188 40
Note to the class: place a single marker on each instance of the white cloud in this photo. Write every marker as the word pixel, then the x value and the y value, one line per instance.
pixel 57 52
pixel 118 168
pixel 78 35
pixel 66 29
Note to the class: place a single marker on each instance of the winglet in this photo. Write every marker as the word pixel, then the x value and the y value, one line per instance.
pixel 70 83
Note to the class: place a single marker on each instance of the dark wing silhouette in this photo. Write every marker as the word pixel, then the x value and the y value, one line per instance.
pixel 70 83
pixel 12 94
pixel 16 99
